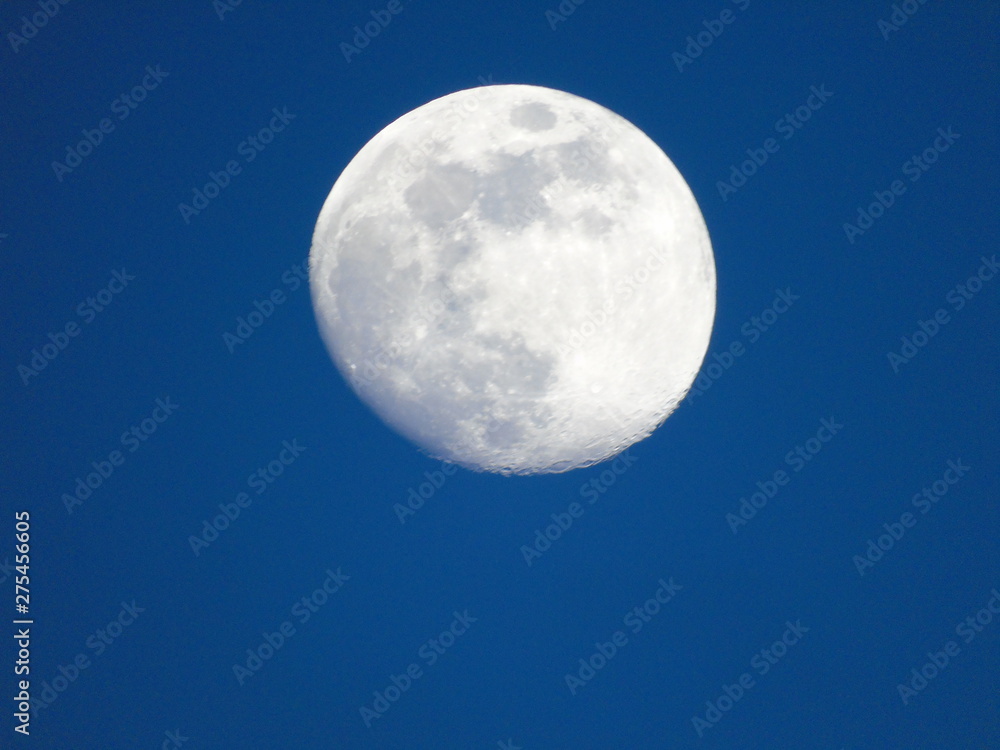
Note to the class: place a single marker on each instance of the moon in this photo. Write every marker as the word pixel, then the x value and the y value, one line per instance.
pixel 514 278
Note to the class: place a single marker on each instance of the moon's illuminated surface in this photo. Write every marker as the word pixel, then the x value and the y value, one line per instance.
pixel 515 278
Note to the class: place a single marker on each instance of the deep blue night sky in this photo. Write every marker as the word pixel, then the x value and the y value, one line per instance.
pixel 857 271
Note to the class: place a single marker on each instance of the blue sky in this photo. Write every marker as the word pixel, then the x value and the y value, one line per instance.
pixel 845 164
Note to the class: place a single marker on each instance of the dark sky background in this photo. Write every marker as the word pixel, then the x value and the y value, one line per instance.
pixel 856 626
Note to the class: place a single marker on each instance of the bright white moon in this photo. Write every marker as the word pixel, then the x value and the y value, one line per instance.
pixel 516 279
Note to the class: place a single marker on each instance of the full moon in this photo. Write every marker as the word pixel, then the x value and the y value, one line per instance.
pixel 516 279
